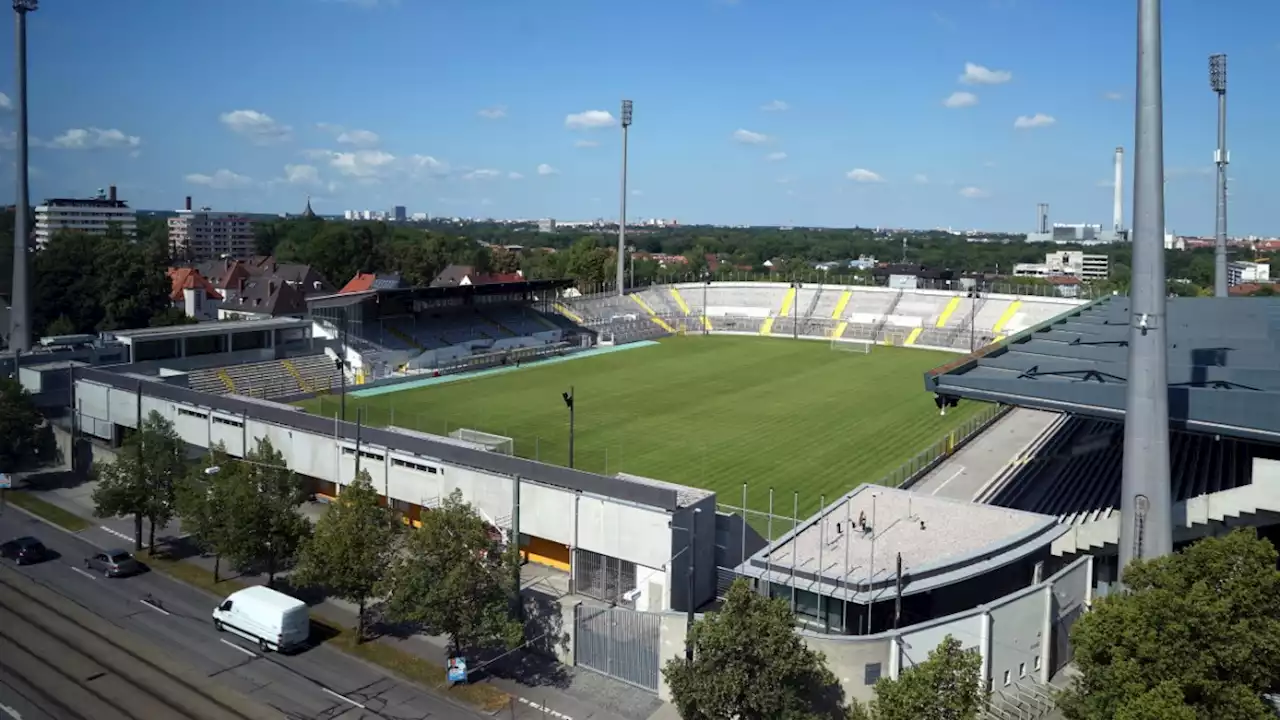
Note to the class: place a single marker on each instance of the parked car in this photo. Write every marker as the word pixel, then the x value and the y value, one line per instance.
pixel 25 551
pixel 276 621
pixel 113 563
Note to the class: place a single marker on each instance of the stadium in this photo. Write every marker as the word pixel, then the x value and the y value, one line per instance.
pixel 772 431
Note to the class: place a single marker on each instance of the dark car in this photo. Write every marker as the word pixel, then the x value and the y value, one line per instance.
pixel 24 551
pixel 113 563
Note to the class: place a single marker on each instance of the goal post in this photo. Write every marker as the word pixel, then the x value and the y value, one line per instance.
pixel 495 443
pixel 861 347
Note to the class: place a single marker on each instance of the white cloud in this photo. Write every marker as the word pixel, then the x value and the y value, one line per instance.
pixel 481 174
pixel 750 138
pixel 863 175
pixel 586 143
pixel 776 156
pixel 973 192
pixel 775 106
pixel 418 165
pixel 362 164
pixel 1113 96
pixel 493 113
pixel 5 102
pixel 93 138
pixel 301 175
pixel 1025 122
pixel 921 179
pixel 259 127
pixel 359 138
pixel 545 169
pixel 961 99
pixel 975 74
pixel 589 120
pixel 221 180
pixel 513 175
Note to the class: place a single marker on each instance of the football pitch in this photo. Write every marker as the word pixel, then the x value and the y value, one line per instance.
pixel 712 412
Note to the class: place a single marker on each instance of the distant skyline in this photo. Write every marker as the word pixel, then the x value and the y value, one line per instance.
pixel 935 113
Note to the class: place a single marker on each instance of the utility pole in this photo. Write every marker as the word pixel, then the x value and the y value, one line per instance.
pixel 622 215
pixel 20 303
pixel 1218 82
pixel 1146 511
pixel 568 401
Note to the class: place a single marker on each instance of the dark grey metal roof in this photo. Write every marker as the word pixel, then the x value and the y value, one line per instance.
pixel 1224 365
pixel 295 418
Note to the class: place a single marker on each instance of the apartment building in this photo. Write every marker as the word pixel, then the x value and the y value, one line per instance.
pixel 1241 272
pixel 93 215
pixel 199 235
pixel 1072 263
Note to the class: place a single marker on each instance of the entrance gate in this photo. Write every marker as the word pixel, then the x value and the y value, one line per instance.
pixel 620 643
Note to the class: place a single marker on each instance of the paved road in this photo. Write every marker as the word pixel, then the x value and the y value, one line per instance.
pixel 966 472
pixel 20 701
pixel 319 683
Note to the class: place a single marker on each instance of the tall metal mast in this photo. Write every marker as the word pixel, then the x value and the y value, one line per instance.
pixel 622 219
pixel 1146 507
pixel 1218 82
pixel 20 303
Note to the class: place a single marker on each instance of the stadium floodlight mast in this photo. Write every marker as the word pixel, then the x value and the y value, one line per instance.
pixel 568 402
pixel 20 303
pixel 706 283
pixel 622 213
pixel 795 322
pixel 1218 83
pixel 1146 525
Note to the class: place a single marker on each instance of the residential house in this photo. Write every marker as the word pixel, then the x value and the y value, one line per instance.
pixel 457 275
pixel 363 282
pixel 193 294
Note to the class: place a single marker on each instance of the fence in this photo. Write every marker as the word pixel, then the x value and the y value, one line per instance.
pixel 620 643
pixel 818 277
pixel 755 528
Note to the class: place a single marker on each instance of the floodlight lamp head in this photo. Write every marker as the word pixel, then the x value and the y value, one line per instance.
pixel 626 113
pixel 1218 73
pixel 25 6
pixel 568 399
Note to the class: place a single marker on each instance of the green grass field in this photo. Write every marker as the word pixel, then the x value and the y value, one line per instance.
pixel 711 412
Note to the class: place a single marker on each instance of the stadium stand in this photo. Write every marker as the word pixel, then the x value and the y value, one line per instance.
pixel 1075 476
pixel 269 379
pixel 926 318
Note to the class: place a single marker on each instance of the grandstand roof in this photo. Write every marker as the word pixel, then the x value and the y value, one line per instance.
pixel 437 293
pixel 1223 372
pixel 221 327
pixel 941 542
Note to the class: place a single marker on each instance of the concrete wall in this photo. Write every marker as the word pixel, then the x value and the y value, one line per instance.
pixel 608 526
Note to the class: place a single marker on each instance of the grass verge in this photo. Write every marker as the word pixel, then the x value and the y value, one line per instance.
pixel 407 665
pixel 48 511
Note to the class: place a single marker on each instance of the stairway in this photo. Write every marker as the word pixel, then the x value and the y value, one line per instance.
pixel 884 319
pixel 969 318
pixel 652 315
pixel 225 377
pixel 293 370
pixel 404 337
pixel 813 304
pixel 1024 700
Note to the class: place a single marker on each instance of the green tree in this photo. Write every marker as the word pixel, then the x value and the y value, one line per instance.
pixel 202 505
pixel 946 686
pixel 25 439
pixel 264 528
pixel 455 577
pixel 352 547
pixel 750 664
pixel 1196 631
pixel 61 326
pixel 141 481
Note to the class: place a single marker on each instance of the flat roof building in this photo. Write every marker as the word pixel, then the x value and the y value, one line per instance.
pixel 874 559
pixel 199 235
pixel 94 216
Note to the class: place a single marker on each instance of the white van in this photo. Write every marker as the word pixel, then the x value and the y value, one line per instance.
pixel 277 621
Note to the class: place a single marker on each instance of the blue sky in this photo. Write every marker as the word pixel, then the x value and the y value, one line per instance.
pixel 822 112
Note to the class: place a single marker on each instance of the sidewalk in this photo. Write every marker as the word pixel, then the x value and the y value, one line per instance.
pixel 535 681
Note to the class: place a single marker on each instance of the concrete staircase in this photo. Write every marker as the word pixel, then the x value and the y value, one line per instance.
pixel 876 335
pixel 1023 700
pixel 813 304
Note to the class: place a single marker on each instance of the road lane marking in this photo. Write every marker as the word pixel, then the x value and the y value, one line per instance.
pixel 955 475
pixel 155 607
pixel 117 533
pixel 230 644
pixel 340 696
pixel 544 709
pixel 84 573
pixel 11 712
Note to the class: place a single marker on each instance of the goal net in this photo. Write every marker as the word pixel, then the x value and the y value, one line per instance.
pixel 495 443
pixel 862 347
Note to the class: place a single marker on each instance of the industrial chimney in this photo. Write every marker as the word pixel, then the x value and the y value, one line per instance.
pixel 111 193
pixel 1042 218
pixel 187 206
pixel 1117 212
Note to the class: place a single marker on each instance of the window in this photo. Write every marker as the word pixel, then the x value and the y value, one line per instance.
pixel 1022 670
pixel 192 413
pixel 1006 678
pixel 1036 663
pixel 871 674
pixel 228 421
pixel 415 466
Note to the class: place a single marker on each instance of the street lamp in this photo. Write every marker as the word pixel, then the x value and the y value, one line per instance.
pixel 795 322
pixel 1218 83
pixel 631 253
pixel 973 316
pixel 689 577
pixel 20 303
pixel 706 283
pixel 622 219
pixel 568 402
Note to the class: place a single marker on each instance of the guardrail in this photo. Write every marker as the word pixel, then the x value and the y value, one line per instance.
pixel 915 468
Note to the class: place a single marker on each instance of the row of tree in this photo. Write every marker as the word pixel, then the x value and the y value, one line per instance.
pixel 449 574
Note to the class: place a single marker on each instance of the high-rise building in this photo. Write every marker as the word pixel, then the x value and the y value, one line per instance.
pixel 1241 272
pixel 199 235
pixel 88 215
pixel 400 214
